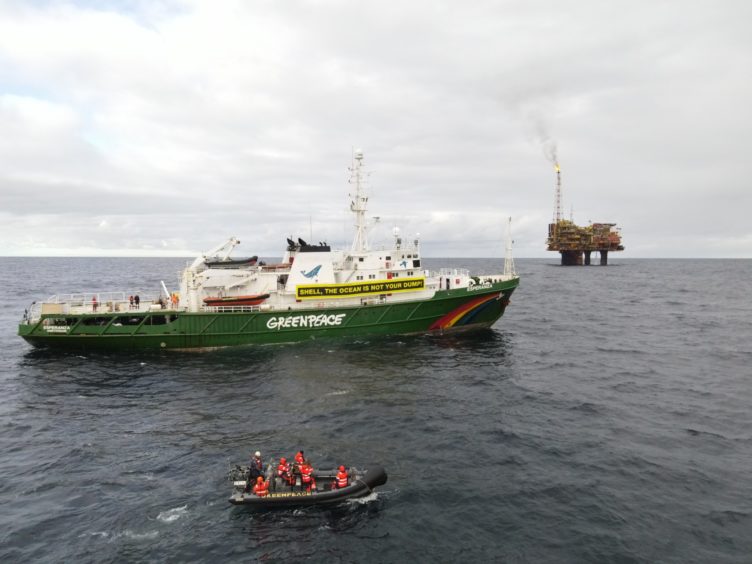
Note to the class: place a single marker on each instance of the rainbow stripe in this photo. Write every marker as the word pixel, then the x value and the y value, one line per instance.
pixel 465 313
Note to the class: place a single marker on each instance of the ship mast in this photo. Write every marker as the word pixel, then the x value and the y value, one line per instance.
pixel 358 203
pixel 509 269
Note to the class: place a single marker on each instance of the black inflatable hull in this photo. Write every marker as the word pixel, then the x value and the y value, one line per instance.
pixel 232 263
pixel 362 485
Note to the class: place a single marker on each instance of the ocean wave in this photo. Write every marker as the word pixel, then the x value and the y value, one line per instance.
pixel 728 517
pixel 102 534
pixel 172 514
pixel 127 533
pixel 148 535
pixel 373 496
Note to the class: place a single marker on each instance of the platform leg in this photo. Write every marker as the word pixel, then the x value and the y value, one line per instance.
pixel 571 258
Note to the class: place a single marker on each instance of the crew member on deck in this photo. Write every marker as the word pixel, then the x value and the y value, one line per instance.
pixel 342 480
pixel 261 488
pixel 306 476
pixel 257 465
pixel 299 458
pixel 255 470
pixel 283 471
pixel 94 304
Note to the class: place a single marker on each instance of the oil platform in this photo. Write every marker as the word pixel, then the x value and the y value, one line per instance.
pixel 575 243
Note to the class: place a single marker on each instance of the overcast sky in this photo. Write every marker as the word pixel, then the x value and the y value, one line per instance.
pixel 144 128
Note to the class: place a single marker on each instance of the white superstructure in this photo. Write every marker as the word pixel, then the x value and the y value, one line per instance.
pixel 313 275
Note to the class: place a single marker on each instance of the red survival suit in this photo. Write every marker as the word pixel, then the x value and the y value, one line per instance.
pixel 342 480
pixel 261 488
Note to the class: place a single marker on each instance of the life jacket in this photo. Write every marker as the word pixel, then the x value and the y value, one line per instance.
pixel 299 458
pixel 261 489
pixel 306 473
pixel 283 470
pixel 342 479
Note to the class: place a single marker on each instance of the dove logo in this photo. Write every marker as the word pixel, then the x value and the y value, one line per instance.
pixel 313 272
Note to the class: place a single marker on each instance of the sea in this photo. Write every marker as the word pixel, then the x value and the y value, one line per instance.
pixel 607 417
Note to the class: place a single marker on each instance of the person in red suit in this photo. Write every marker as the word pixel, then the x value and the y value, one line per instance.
pixel 283 471
pixel 261 488
pixel 342 480
pixel 306 476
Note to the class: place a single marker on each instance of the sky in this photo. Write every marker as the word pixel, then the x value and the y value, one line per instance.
pixel 162 128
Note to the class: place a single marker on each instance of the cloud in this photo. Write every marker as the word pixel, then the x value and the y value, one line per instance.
pixel 187 122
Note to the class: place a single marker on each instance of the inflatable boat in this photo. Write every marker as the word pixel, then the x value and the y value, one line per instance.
pixel 251 300
pixel 232 263
pixel 282 494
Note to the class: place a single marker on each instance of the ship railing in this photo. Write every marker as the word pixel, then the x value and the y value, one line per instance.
pixel 85 297
pixel 32 314
pixel 104 302
pixel 232 309
pixel 452 272
pixel 406 246
pixel 494 278
pixel 463 272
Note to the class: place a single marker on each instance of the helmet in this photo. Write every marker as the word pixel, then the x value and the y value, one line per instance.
pixel 341 468
pixel 257 453
pixel 260 479
pixel 283 460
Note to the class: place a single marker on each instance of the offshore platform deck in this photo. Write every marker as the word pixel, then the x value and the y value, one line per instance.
pixel 575 243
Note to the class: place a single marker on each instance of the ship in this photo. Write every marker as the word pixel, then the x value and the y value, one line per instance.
pixel 314 292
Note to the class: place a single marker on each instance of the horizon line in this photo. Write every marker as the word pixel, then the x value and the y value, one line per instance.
pixel 425 257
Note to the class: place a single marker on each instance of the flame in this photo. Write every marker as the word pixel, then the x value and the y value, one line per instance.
pixel 556 167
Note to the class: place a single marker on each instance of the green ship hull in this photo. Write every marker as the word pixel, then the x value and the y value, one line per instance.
pixel 447 311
